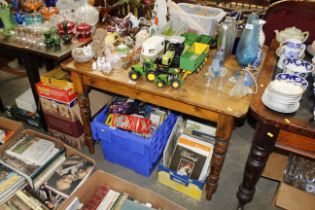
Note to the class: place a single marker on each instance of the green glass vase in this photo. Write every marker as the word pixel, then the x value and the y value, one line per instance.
pixel 5 16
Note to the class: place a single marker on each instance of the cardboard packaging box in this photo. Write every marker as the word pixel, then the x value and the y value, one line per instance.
pixel 26 101
pixel 57 94
pixel 287 197
pixel 57 78
pixel 77 143
pixel 69 111
pixel 120 185
pixel 74 129
pixel 14 126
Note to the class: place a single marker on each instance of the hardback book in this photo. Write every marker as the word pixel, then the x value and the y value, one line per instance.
pixel 73 172
pixel 109 200
pixel 30 201
pixel 131 205
pixel 32 150
pixel 96 198
pixel 27 170
pixel 191 157
pixel 15 203
pixel 75 204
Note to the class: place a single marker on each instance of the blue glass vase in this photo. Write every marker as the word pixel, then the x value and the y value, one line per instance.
pixel 248 46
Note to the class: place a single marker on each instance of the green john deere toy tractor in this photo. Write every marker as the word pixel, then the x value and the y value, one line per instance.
pixel 147 69
pixel 170 77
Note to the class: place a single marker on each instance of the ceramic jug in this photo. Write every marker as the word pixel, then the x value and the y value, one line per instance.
pixel 291 33
pixel 292 48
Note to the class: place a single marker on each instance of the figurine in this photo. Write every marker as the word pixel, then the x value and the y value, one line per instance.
pixel 98 43
pixel 48 40
pixel 56 42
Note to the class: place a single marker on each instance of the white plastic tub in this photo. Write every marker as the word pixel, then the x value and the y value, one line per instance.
pixel 206 17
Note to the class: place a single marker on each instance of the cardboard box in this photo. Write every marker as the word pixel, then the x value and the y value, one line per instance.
pixel 12 125
pixel 69 111
pixel 74 129
pixel 26 101
pixel 121 185
pixel 57 78
pixel 69 150
pixel 287 197
pixel 57 94
pixel 77 143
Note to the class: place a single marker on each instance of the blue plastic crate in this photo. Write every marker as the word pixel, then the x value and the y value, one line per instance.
pixel 131 150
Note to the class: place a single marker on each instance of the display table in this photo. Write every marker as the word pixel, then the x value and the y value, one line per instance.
pixel 31 55
pixel 291 132
pixel 195 98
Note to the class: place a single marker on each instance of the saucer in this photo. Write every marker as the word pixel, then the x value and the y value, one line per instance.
pixel 310 50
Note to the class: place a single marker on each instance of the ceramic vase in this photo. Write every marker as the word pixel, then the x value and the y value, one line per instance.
pixel 248 46
pixel 262 36
pixel 5 16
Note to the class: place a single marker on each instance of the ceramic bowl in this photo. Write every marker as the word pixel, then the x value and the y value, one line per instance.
pixel 300 67
pixel 292 78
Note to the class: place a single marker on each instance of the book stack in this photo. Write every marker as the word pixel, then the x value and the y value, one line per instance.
pixel 10 182
pixel 105 198
pixel 60 105
pixel 33 158
pixel 192 157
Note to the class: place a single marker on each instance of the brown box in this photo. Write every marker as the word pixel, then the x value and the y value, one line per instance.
pixel 287 197
pixel 77 143
pixel 135 191
pixel 69 111
pixel 58 78
pixel 74 129
pixel 12 125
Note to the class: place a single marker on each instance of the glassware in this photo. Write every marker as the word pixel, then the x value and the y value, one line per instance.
pixel 87 14
pixel 5 16
pixel 248 46
pixel 227 34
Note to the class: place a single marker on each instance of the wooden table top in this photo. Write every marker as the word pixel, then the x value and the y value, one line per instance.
pixel 297 130
pixel 194 91
pixel 57 55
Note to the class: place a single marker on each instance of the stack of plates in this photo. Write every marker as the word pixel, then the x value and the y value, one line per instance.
pixel 284 93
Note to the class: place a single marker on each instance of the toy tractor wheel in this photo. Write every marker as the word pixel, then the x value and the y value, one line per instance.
pixel 150 75
pixel 175 83
pixel 160 84
pixel 133 75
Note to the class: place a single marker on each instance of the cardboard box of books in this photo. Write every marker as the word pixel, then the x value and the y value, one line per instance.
pixel 58 78
pixel 101 182
pixel 52 169
pixel 9 129
pixel 287 196
pixel 54 93
pixel 186 158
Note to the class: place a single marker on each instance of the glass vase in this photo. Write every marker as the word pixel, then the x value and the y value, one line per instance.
pixel 5 16
pixel 248 46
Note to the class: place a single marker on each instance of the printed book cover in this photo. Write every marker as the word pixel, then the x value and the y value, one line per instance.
pixel 187 162
pixel 70 175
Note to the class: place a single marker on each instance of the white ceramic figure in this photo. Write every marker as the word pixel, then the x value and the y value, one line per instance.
pixel 159 14
pixel 291 33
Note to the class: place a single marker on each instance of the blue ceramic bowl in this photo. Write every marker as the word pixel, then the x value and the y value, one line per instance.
pixel 299 67
pixel 293 78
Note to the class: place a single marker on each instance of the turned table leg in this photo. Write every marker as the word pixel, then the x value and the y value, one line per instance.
pixel 224 130
pixel 263 144
pixel 84 104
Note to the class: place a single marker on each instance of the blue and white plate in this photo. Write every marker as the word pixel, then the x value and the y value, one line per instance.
pixel 293 78
pixel 299 67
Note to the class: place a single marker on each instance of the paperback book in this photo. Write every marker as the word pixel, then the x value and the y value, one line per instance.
pixel 67 178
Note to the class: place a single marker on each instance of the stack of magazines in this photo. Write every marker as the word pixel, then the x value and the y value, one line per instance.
pixel 10 182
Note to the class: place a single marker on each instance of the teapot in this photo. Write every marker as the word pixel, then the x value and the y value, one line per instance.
pixel 292 32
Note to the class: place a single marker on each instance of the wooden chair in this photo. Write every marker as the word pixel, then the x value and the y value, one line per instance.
pixel 283 14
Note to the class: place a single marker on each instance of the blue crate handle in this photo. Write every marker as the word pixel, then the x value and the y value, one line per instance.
pixel 178 179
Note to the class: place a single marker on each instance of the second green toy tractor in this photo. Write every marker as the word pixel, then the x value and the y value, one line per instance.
pixel 170 78
pixel 146 69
